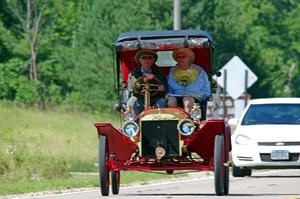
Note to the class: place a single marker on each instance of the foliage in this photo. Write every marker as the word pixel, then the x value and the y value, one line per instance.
pixel 51 149
pixel 46 145
pixel 74 56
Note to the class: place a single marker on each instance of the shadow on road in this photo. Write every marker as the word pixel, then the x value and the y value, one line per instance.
pixel 277 176
pixel 205 194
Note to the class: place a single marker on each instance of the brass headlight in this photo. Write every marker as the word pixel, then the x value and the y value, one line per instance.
pixel 186 127
pixel 130 128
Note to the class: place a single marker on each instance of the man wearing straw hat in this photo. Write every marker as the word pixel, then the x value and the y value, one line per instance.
pixel 146 59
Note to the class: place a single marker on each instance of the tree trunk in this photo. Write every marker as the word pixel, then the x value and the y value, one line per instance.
pixel 34 72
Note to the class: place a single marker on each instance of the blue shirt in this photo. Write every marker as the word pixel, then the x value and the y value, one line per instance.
pixel 199 88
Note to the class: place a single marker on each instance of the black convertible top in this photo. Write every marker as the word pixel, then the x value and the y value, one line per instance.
pixel 163 39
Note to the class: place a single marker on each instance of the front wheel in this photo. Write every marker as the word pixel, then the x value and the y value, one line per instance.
pixel 221 173
pixel 237 171
pixel 115 181
pixel 248 172
pixel 104 167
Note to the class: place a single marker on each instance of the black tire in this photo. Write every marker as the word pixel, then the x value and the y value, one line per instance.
pixel 237 172
pixel 221 176
pixel 226 185
pixel 103 169
pixel 248 172
pixel 170 172
pixel 115 182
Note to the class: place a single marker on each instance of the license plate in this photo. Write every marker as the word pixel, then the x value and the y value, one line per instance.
pixel 279 155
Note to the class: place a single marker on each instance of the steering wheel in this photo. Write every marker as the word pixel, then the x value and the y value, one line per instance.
pixel 141 87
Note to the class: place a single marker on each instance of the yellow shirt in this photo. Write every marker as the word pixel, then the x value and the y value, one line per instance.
pixel 185 77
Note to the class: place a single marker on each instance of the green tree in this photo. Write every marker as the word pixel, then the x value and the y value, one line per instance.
pixel 91 57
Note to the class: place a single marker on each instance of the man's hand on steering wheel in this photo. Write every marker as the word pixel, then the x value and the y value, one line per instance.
pixel 143 84
pixel 148 77
pixel 161 88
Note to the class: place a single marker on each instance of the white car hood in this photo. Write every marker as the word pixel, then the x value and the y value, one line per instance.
pixel 270 133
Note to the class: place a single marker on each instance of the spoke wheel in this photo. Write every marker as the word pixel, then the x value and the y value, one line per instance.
pixel 115 181
pixel 104 166
pixel 221 172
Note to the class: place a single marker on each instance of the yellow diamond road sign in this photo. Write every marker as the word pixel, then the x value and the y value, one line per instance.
pixel 236 75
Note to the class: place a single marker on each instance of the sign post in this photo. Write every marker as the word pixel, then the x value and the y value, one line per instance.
pixel 246 86
pixel 237 79
pixel 224 94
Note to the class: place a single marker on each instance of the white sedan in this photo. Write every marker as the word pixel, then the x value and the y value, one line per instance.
pixel 267 135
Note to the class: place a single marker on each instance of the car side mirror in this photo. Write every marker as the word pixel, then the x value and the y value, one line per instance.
pixel 233 121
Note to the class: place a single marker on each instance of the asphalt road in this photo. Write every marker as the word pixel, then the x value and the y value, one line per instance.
pixel 263 184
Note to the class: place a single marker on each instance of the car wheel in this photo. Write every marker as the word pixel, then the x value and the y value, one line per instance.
pixel 221 176
pixel 247 172
pixel 226 183
pixel 115 181
pixel 237 172
pixel 104 167
pixel 170 172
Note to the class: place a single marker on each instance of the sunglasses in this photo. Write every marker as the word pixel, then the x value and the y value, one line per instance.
pixel 147 57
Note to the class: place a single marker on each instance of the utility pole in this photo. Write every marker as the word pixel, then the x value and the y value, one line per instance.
pixel 177 15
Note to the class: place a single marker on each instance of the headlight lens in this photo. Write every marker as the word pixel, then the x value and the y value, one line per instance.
pixel 242 140
pixel 186 127
pixel 130 128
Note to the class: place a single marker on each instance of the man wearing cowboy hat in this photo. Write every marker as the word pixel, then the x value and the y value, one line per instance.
pixel 146 59
pixel 187 81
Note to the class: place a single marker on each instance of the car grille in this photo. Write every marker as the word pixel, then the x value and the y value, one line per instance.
pixel 266 157
pixel 278 143
pixel 159 134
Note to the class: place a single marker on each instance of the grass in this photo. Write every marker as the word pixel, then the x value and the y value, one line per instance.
pixel 39 150
pixel 67 136
pixel 128 177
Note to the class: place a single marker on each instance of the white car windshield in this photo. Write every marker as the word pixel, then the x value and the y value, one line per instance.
pixel 259 114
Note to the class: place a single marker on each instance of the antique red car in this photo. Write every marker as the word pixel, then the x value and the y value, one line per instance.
pixel 166 139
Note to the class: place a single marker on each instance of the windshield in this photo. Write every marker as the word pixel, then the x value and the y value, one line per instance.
pixel 164 58
pixel 258 114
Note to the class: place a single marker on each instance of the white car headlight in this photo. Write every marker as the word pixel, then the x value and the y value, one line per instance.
pixel 242 140
pixel 130 128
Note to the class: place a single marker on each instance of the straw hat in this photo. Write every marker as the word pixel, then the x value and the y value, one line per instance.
pixel 145 52
pixel 186 51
